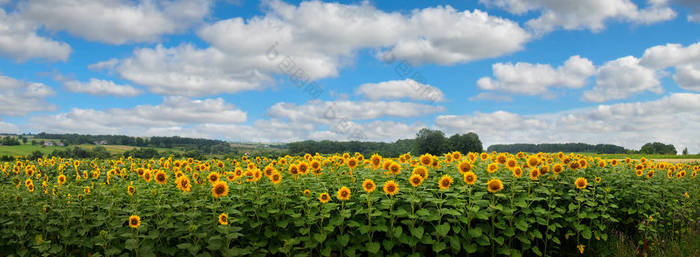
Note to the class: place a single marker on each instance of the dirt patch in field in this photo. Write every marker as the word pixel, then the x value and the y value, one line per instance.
pixel 676 160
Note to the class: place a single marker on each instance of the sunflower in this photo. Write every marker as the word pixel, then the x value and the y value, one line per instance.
pixel 219 189
pixel 493 167
pixel 161 177
pixel 147 176
pixel 598 179
pixel 86 190
pixel 456 155
pixel 293 169
pixel 557 168
pixel 470 178
pixel 324 197
pixel 131 190
pixel 223 219
pixel 61 179
pixel 494 185
pixel 517 172
pixel 303 168
pixel 533 161
pixel 395 168
pixel 581 183
pixel 426 159
pixel 484 156
pixel 213 177
pixel 501 158
pixel 613 162
pixel 445 182
pixel 421 171
pixel 30 187
pixel 134 221
pixel 368 185
pixel 544 169
pixel 534 173
pixel 183 183
pixel 391 187
pixel 352 163
pixel 464 167
pixel 415 180
pixel 511 163
pixel 343 194
pixel 276 178
pixel 307 193
pixel 583 163
pixel 376 161
pixel 315 165
pixel 602 164
pixel 639 172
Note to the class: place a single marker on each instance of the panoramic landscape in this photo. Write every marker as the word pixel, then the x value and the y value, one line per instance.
pixel 349 128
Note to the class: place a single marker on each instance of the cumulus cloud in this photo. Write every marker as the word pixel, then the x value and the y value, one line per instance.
pixel 101 87
pixel 685 61
pixel 19 98
pixel 311 41
pixel 326 112
pixel 621 78
pixel 172 113
pixel 117 21
pixel 592 14
pixel 397 89
pixel 672 119
pixel 19 40
pixel 536 79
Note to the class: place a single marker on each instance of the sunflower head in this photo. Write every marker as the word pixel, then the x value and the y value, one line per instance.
pixel 161 177
pixel 352 163
pixel 391 187
pixel 415 180
pixel 276 178
pixel 369 186
pixel 223 219
pixel 213 177
pixel 534 173
pixel 420 171
pixel 134 221
pixel 517 172
pixel 324 198
pixel 219 189
pixel 494 185
pixel 307 193
pixel 493 167
pixel 581 183
pixel 598 179
pixel 445 182
pixel 470 178
pixel 343 193
pixel 464 167
pixel 426 159
pixel 395 168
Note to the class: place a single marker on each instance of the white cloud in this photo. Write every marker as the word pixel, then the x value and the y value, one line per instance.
pixel 685 60
pixel 311 41
pixel 101 87
pixel 591 14
pixel 536 79
pixel 8 128
pixel 491 96
pixel 172 113
pixel 621 78
pixel 19 98
pixel 326 112
pixel 19 40
pixel 671 119
pixel 397 89
pixel 117 21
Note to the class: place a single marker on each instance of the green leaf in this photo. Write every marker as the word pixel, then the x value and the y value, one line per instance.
pixel 344 240
pixel 522 225
pixel 417 232
pixel 131 244
pixel 320 237
pixel 439 246
pixel 442 229
pixel 373 247
pixel 397 231
pixel 475 232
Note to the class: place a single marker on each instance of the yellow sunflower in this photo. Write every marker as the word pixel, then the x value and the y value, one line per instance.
pixel 391 187
pixel 581 183
pixel 369 186
pixel 494 185
pixel 415 180
pixel 343 194
pixel 324 197
pixel 219 189
pixel 445 182
pixel 470 178
pixel 223 219
pixel 134 221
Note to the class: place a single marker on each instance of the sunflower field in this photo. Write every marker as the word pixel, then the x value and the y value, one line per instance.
pixel 471 204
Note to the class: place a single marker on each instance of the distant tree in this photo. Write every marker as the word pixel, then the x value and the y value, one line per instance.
pixel 35 155
pixel 685 151
pixel 658 148
pixel 431 141
pixel 465 143
pixel 24 139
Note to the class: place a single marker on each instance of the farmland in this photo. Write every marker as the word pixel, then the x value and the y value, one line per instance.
pixel 346 205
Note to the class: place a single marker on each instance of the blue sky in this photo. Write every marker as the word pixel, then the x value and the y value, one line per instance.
pixel 514 71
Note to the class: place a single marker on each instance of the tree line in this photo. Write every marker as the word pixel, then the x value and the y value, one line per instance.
pixel 553 148
pixel 204 146
pixel 426 141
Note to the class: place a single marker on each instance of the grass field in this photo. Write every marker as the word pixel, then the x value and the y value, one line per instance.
pixel 27 149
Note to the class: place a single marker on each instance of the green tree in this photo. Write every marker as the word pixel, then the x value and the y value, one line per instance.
pixel 658 148
pixel 465 143
pixel 685 151
pixel 431 141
